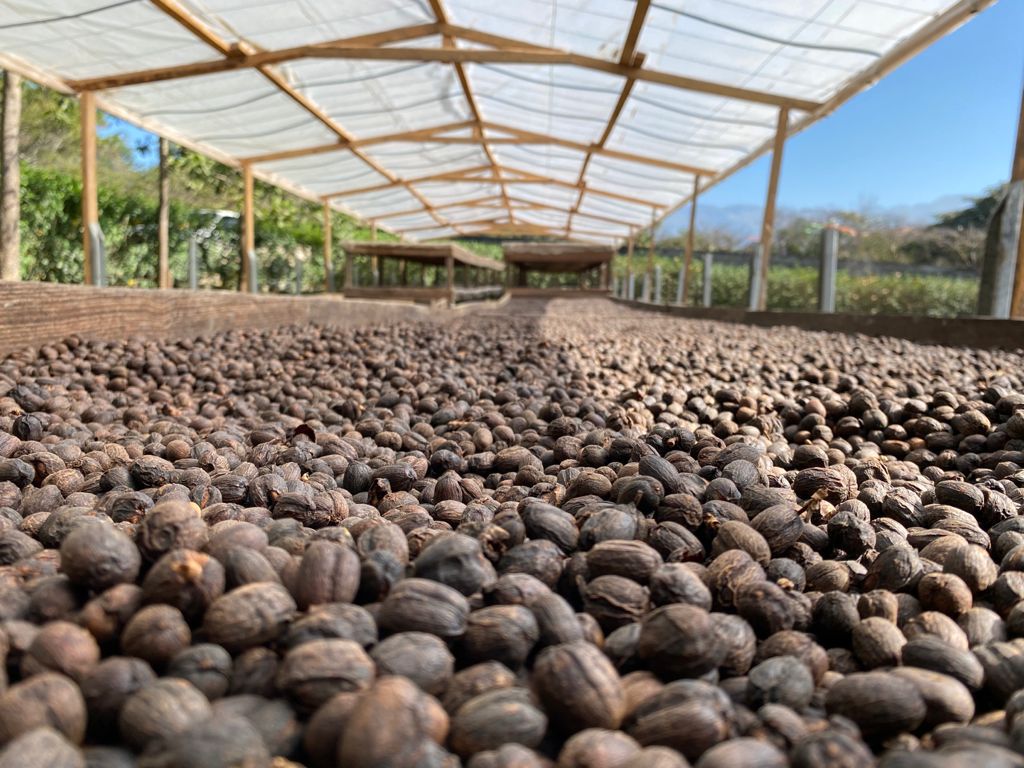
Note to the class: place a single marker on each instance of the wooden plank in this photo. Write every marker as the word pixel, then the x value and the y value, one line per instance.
pixel 633 35
pixel 690 237
pixel 432 253
pixel 768 223
pixel 1017 176
pixel 248 225
pixel 345 49
pixel 90 201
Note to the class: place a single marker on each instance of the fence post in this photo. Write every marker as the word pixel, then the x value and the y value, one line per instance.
pixel 632 287
pixel 680 285
pixel 645 291
pixel 97 255
pixel 829 267
pixel 706 279
pixel 755 280
pixel 297 290
pixel 193 263
pixel 657 284
pixel 252 277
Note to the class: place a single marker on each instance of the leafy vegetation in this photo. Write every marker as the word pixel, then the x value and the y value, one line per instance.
pixel 796 289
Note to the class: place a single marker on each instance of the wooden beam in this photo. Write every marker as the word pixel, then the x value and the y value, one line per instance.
pixel 480 201
pixel 532 178
pixel 633 35
pixel 425 135
pixel 1017 177
pixel 532 137
pixel 768 223
pixel 437 6
pixel 547 207
pixel 90 201
pixel 514 53
pixel 328 248
pixel 627 88
pixel 248 226
pixel 236 58
pixel 690 237
pixel 446 176
pixel 164 218
pixel 247 51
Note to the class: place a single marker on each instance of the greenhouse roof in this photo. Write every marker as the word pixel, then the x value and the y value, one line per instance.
pixel 579 119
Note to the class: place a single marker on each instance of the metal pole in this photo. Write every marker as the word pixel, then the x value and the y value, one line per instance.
pixel 657 284
pixel 629 263
pixel 755 280
pixel 193 263
pixel 631 280
pixel 829 268
pixel 680 286
pixel 706 287
pixel 297 290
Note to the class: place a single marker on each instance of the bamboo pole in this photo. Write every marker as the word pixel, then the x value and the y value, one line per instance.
pixel 690 236
pixel 90 202
pixel 328 248
pixel 248 227
pixel 164 219
pixel 768 224
pixel 1017 176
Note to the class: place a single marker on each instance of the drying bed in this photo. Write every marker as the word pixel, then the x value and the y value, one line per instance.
pixel 554 532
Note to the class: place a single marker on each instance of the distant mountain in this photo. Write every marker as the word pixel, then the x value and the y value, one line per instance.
pixel 744 221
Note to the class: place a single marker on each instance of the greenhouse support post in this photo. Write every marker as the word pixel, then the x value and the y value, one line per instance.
pixel 759 281
pixel 829 269
pixel 709 259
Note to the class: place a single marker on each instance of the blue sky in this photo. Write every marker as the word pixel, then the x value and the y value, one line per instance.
pixel 941 125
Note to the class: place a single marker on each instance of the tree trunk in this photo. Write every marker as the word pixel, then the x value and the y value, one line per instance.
pixel 10 193
pixel 164 220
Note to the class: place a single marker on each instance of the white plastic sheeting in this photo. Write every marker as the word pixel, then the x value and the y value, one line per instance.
pixel 800 49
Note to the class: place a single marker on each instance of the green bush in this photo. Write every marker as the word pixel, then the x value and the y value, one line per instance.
pixel 795 289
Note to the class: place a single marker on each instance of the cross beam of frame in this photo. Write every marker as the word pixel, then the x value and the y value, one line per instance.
pixel 374 47
pixel 437 6
pixel 630 57
pixel 471 176
pixel 245 51
pixel 518 136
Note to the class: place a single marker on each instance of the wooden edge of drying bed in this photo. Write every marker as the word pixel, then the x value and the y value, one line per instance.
pixel 32 314
pixel 977 332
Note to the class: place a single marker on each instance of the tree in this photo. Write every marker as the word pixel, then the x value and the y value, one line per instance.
pixel 974 216
pixel 10 191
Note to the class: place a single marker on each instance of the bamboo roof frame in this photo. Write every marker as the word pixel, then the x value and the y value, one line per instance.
pixel 494 49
